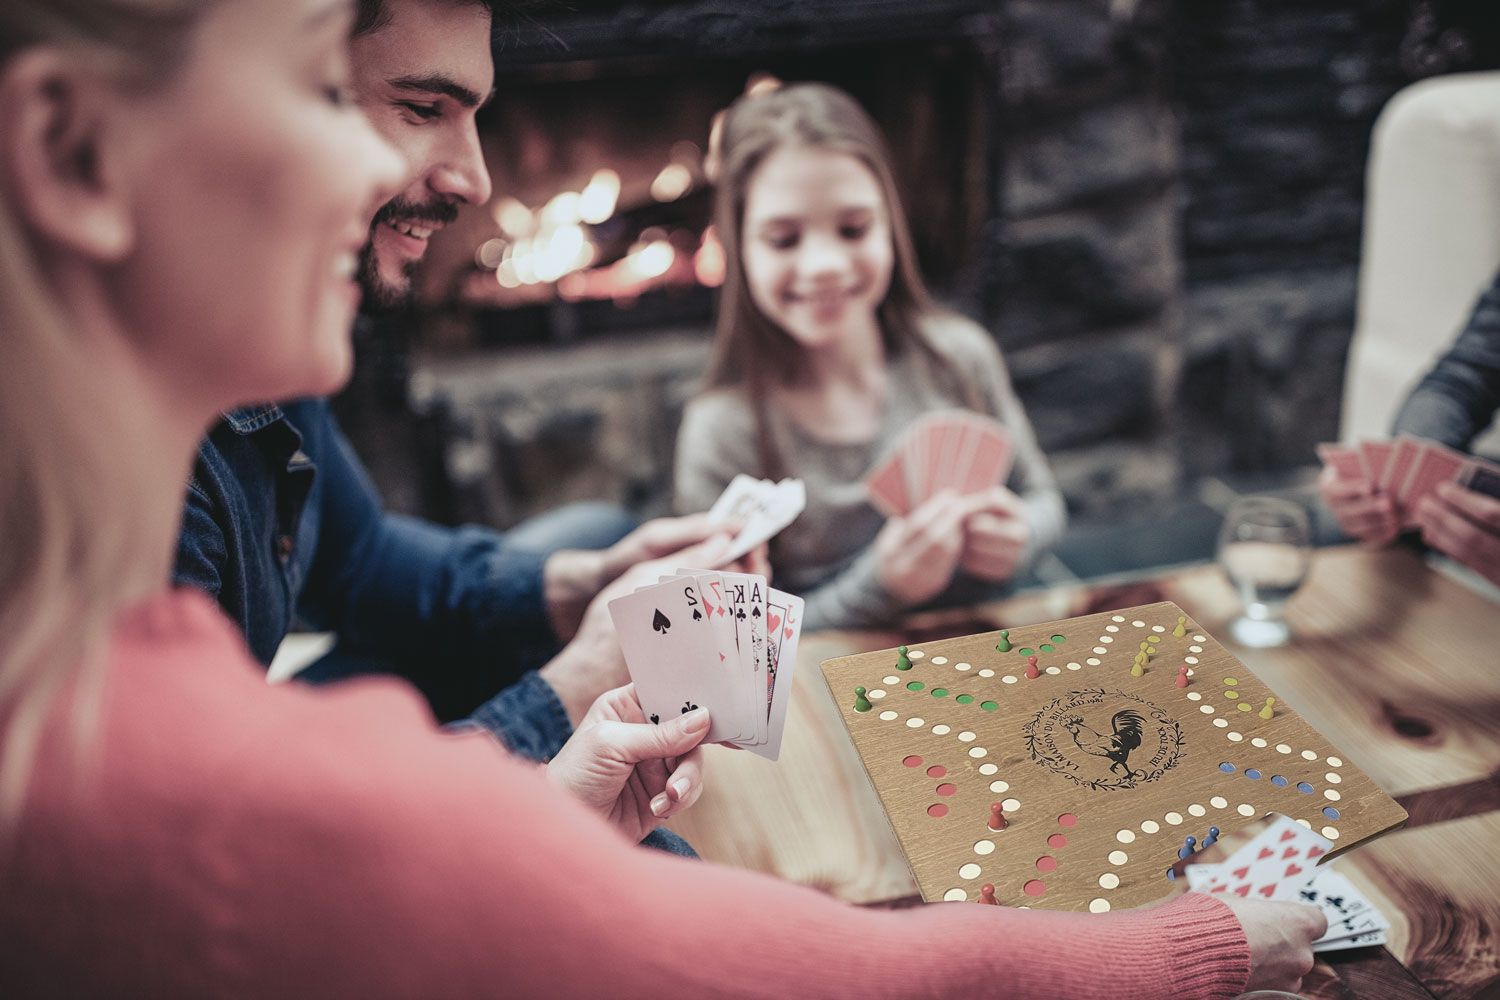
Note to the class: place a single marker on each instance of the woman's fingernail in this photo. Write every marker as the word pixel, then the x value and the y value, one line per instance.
pixel 681 786
pixel 695 720
pixel 660 804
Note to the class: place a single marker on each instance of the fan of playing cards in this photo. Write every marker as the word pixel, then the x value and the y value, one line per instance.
pixel 761 507
pixel 1408 469
pixel 1282 864
pixel 953 450
pixel 722 641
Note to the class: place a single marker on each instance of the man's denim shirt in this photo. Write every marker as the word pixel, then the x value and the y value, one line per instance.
pixel 283 523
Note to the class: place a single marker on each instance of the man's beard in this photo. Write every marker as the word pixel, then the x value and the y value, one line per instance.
pixel 378 291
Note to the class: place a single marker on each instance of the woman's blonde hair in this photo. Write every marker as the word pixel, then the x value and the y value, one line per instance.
pixel 749 349
pixel 75 542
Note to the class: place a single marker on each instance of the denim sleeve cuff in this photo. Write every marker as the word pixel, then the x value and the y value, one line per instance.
pixel 527 717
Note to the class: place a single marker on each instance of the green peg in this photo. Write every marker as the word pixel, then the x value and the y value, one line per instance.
pixel 861 703
pixel 1003 646
pixel 903 662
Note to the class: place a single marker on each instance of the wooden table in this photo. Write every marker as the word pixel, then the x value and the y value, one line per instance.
pixel 1397 664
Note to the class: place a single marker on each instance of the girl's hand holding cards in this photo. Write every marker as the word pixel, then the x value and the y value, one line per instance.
pixel 917 555
pixel 634 773
pixel 996 534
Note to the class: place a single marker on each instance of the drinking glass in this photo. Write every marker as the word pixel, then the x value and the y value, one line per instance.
pixel 1264 549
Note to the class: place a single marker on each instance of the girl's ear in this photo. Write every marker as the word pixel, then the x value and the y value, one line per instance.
pixel 55 157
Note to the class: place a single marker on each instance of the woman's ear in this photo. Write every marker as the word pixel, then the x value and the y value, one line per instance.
pixel 55 156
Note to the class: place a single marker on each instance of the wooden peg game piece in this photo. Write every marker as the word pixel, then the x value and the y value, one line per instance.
pixel 1268 711
pixel 1137 669
pixel 1032 670
pixel 1211 839
pixel 1145 648
pixel 1182 676
pixel 1181 629
pixel 1003 646
pixel 861 703
pixel 1189 846
pixel 998 821
pixel 987 895
pixel 903 661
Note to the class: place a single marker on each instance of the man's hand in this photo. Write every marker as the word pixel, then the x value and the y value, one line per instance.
pixel 1361 512
pixel 632 772
pixel 593 663
pixel 573 577
pixel 995 536
pixel 1464 525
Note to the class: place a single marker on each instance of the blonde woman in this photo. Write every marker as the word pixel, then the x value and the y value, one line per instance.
pixel 182 189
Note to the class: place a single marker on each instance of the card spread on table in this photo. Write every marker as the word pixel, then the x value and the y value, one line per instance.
pixel 723 641
pixel 951 450
pixel 1409 469
pixel 1281 864
pixel 761 507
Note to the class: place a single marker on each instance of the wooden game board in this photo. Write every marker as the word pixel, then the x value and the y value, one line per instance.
pixel 1094 823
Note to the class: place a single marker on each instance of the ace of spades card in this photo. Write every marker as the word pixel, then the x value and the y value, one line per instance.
pixel 676 659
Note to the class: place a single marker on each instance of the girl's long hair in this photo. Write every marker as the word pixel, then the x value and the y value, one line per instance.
pixel 749 350
pixel 73 551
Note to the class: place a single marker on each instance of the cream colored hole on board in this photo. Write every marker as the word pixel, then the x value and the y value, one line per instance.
pixel 1126 836
pixel 955 896
pixel 1175 818
pixel 988 768
pixel 970 870
pixel 877 694
pixel 1331 832
pixel 1011 805
pixel 999 786
pixel 1222 723
pixel 1194 696
pixel 1100 905
pixel 915 654
pixel 888 715
pixel 1009 678
pixel 963 666
pixel 977 752
pixel 986 672
pixel 1118 857
pixel 966 737
pixel 1309 755
pixel 915 723
pixel 1333 779
pixel 1109 880
pixel 1335 762
pixel 1245 809
pixel 893 679
pixel 1091 661
pixel 984 847
pixel 1150 826
pixel 942 729
pixel 1219 802
pixel 939 660
pixel 1196 810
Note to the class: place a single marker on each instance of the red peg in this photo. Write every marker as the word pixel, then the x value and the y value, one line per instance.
pixel 998 821
pixel 987 895
pixel 1182 677
pixel 1031 668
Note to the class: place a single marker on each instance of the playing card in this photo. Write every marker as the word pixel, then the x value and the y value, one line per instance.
pixel 746 595
pixel 784 629
pixel 764 508
pixel 1375 454
pixel 672 651
pixel 1345 461
pixel 992 459
pixel 914 460
pixel 1349 913
pixel 1358 941
pixel 1482 477
pixel 887 486
pixel 713 593
pixel 1277 864
pixel 1434 464
pixel 1398 466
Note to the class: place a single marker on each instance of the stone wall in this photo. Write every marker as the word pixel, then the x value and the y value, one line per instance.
pixel 1170 266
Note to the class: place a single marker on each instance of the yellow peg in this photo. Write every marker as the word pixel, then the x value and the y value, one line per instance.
pixel 1136 670
pixel 1267 712
pixel 1181 629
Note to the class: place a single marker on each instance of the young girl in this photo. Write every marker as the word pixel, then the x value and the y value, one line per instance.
pixel 170 825
pixel 827 349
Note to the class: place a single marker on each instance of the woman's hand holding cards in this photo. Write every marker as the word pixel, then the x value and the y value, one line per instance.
pixel 1280 936
pixel 996 533
pixel 633 773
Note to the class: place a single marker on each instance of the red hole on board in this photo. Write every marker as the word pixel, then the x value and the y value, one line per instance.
pixel 946 788
pixel 1046 863
pixel 936 771
pixel 937 810
pixel 1057 840
pixel 1067 819
pixel 913 761
pixel 1035 887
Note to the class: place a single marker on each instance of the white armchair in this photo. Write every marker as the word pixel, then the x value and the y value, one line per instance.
pixel 1431 241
